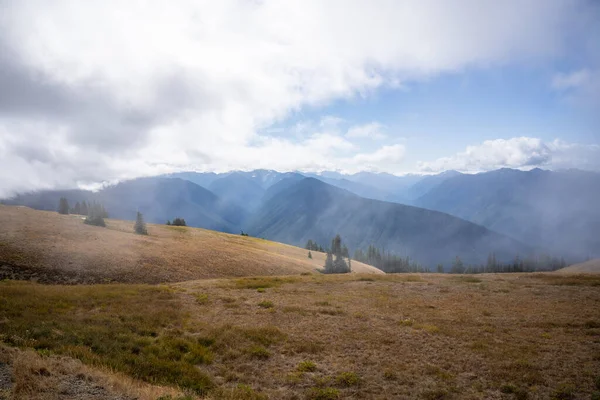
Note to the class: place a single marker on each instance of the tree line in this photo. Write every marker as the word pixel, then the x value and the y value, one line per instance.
pixel 538 263
pixel 387 261
pixel 95 214
pixel 393 263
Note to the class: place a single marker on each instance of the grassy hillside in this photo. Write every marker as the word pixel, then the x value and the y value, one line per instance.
pixel 317 337
pixel 51 247
pixel 591 266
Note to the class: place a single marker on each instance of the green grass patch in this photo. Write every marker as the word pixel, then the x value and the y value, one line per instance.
pixel 323 394
pixel 201 298
pixel 307 366
pixel 127 328
pixel 266 304
pixel 259 352
pixel 347 379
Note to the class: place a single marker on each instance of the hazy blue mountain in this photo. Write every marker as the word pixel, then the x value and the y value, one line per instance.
pixel 394 184
pixel 159 199
pixel 359 189
pixel 203 179
pixel 556 209
pixel 237 188
pixel 266 178
pixel 312 209
pixel 291 179
pixel 427 183
pixel 48 199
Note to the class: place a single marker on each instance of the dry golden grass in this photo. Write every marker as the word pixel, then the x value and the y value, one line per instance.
pixel 52 245
pixel 51 377
pixel 588 267
pixel 429 336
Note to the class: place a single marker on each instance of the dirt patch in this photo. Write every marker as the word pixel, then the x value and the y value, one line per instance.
pixel 46 276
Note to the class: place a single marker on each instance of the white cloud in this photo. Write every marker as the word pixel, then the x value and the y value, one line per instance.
pixel 573 80
pixel 385 158
pixel 580 86
pixel 193 85
pixel 520 153
pixel 373 130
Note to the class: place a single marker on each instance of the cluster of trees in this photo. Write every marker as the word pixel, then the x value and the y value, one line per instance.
pixel 177 222
pixel 313 246
pixel 543 262
pixel 392 263
pixel 388 262
pixel 339 264
pixel 94 212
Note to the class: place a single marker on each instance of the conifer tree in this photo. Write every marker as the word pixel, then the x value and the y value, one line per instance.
pixel 84 208
pixel 63 206
pixel 140 225
pixel 309 254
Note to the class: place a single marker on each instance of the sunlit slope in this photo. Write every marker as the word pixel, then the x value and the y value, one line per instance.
pixel 47 245
pixel 591 266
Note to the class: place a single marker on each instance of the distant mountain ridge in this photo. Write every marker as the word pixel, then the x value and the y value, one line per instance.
pixel 554 210
pixel 559 210
pixel 159 199
pixel 312 209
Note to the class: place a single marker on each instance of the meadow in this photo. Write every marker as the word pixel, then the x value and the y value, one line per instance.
pixel 311 336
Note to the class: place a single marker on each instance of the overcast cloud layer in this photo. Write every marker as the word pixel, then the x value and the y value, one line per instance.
pixel 94 91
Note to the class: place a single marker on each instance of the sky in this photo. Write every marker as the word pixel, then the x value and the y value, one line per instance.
pixel 102 91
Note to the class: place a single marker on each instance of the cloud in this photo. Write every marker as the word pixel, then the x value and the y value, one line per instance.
pixel 373 130
pixel 385 158
pixel 581 86
pixel 199 84
pixel 520 153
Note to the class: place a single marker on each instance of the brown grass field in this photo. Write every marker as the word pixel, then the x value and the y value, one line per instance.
pixel 430 336
pixel 61 247
pixel 293 336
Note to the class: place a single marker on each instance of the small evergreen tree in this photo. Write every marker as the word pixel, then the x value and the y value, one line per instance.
pixel 168 222
pixel 63 206
pixel 458 266
pixel 328 263
pixel 84 208
pixel 77 209
pixel 339 265
pixel 140 225
pixel 309 255
pixel 440 269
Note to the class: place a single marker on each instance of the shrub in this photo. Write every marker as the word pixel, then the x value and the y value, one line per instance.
pixel 259 352
pixel 94 220
pixel 347 379
pixel 564 392
pixel 323 394
pixel 266 304
pixel 307 366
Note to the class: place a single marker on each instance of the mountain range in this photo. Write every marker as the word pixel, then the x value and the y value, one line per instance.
pixel 429 218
